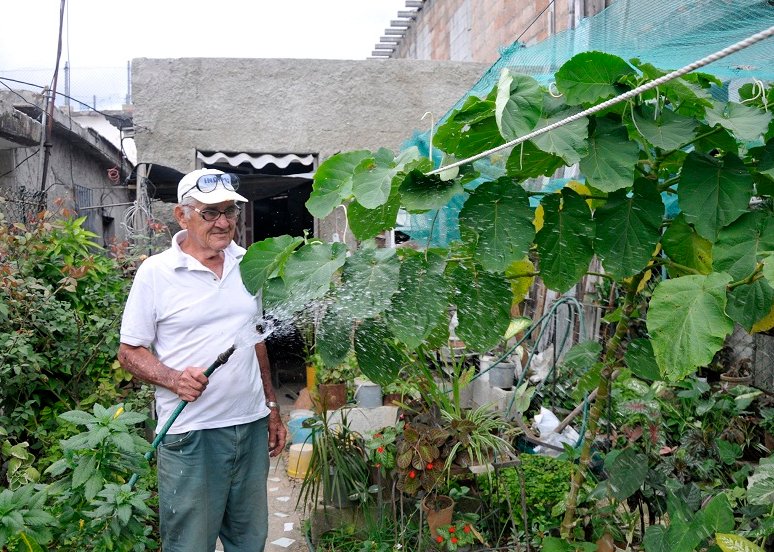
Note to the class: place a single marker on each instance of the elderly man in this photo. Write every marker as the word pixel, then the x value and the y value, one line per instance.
pixel 186 305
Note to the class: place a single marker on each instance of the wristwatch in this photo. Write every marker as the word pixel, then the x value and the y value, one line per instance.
pixel 272 404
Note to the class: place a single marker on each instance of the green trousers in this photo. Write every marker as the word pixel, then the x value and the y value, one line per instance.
pixel 212 483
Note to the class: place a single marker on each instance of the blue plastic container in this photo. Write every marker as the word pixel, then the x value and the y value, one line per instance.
pixel 298 433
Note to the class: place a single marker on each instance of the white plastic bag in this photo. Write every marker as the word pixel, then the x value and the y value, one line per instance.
pixel 545 422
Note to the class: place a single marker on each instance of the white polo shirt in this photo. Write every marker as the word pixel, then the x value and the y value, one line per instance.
pixel 187 316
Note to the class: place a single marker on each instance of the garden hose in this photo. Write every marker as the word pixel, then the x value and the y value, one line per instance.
pixel 222 359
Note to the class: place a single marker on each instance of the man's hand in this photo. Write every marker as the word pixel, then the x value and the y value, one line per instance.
pixel 277 434
pixel 190 384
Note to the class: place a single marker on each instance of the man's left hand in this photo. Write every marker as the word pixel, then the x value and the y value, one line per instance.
pixel 277 434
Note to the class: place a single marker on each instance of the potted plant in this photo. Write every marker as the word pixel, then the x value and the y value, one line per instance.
pixel 399 390
pixel 460 534
pixel 332 383
pixel 337 466
pixel 740 373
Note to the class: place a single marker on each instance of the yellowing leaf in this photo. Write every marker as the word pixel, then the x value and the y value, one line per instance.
pixel 582 190
pixel 538 221
pixel 521 275
pixel 765 323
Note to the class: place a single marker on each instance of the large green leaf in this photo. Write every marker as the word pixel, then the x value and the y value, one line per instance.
pixel 745 122
pixel 716 517
pixel 370 279
pixel 479 137
pixel 609 165
pixel 519 104
pixel 333 339
pixel 690 99
pixel 372 182
pixel 640 359
pixel 686 247
pixel 309 271
pixel 668 130
pixel 713 192
pixel 496 223
pixel 483 304
pixel 263 258
pixel 628 229
pixel 626 471
pixel 565 243
pixel 687 322
pixel 379 358
pixel 765 158
pixel 368 223
pixel 420 192
pixel 333 182
pixel 527 161
pixel 423 299
pixel 568 141
pixel 739 245
pixel 447 136
pixel 591 76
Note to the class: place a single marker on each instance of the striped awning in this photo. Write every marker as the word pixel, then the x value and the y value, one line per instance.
pixel 286 164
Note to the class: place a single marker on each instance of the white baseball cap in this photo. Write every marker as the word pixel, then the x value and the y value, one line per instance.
pixel 209 186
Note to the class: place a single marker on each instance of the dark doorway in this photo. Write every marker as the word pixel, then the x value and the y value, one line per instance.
pixel 283 213
pixel 278 186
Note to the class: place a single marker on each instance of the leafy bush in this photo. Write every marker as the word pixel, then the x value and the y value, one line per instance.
pixel 61 300
pixel 546 483
pixel 86 503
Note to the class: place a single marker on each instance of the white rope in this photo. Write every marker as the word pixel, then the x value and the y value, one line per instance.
pixel 741 45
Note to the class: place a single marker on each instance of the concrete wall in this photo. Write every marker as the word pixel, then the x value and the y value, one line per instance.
pixel 77 175
pixel 286 105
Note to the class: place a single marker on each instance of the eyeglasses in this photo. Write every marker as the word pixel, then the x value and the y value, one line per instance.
pixel 208 182
pixel 211 215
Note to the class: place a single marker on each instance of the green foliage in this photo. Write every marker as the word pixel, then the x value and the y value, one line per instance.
pixel 689 278
pixel 84 502
pixel 546 483
pixel 61 300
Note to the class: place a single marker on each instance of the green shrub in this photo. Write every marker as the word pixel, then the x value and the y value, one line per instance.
pixel 61 299
pixel 546 483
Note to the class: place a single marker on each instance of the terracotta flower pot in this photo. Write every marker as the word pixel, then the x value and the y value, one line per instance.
pixel 438 509
pixel 330 396
pixel 391 399
pixel 732 381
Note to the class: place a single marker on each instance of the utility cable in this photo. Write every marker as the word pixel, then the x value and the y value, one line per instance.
pixel 76 100
pixel 534 21
pixel 741 45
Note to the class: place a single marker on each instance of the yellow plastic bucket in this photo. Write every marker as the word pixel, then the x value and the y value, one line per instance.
pixel 298 460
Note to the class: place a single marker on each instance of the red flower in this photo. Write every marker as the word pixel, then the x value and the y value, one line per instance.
pixel 377 435
pixel 430 466
pixel 380 450
pixel 439 538
pixel 454 540
pixel 412 474
pixel 452 529
pixel 466 529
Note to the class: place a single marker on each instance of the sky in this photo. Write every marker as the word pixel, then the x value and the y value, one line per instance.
pixel 102 34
